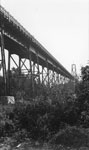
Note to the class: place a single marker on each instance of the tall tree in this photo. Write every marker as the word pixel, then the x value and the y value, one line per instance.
pixel 82 91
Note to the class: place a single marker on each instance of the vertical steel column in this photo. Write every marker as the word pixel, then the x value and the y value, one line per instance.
pixel 42 75
pixel 57 78
pixel 61 79
pixel 3 60
pixel 30 61
pixel 33 68
pixel 33 76
pixel 53 76
pixel 19 65
pixel 38 67
pixel 47 71
pixel 9 73
pixel 30 64
pixel 19 69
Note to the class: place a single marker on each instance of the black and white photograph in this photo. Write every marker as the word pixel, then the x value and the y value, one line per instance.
pixel 44 74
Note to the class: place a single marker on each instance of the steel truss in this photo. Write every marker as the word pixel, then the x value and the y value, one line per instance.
pixel 3 63
pixel 32 70
pixel 42 67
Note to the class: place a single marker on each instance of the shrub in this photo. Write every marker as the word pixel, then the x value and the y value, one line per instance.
pixel 6 123
pixel 82 101
pixel 71 137
pixel 39 118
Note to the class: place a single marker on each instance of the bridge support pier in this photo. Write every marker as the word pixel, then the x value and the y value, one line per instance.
pixel 42 75
pixel 8 80
pixel 47 73
pixel 3 59
pixel 38 71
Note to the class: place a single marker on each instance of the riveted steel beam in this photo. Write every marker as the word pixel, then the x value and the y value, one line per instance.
pixel 3 57
pixel 21 38
pixel 9 73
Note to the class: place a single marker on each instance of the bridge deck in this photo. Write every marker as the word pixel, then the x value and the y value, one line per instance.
pixel 19 41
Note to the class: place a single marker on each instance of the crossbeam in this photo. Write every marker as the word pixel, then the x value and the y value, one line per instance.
pixel 42 67
pixel 18 40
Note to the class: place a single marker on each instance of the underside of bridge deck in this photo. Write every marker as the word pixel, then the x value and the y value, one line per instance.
pixel 42 66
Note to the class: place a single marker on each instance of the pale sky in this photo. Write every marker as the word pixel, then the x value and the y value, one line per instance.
pixel 61 26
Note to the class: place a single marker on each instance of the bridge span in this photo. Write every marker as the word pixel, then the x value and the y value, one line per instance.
pixel 42 67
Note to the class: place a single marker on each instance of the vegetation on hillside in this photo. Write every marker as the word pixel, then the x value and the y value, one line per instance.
pixel 56 115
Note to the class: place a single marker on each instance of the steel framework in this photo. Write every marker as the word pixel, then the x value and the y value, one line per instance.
pixel 43 67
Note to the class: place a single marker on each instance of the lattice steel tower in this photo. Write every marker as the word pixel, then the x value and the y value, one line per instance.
pixel 73 70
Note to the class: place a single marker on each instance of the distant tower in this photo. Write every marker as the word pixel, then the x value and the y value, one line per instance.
pixel 74 73
pixel 73 70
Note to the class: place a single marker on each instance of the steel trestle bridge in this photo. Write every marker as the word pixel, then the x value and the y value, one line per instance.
pixel 43 67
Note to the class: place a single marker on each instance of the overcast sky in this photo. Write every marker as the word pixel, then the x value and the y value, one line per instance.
pixel 61 26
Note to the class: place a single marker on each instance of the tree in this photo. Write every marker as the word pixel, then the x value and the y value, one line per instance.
pixel 82 91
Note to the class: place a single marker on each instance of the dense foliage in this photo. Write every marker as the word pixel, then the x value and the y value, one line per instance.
pixel 53 112
pixel 82 91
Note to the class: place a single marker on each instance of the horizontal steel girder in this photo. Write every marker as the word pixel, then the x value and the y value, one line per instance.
pixel 18 40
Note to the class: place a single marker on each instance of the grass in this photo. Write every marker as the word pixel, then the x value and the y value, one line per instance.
pixel 27 146
pixel 71 138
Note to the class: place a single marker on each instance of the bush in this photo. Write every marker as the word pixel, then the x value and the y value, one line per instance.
pixel 6 123
pixel 82 101
pixel 39 118
pixel 71 137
